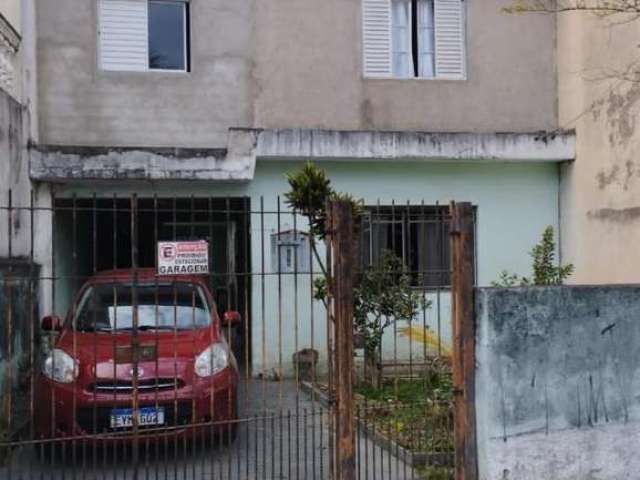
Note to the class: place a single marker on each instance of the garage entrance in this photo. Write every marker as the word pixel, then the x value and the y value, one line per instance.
pixel 93 235
pixel 139 380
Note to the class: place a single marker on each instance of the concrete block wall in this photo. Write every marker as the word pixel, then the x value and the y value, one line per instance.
pixel 558 383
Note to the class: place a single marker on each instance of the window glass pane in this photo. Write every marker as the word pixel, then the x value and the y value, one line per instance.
pixel 401 23
pixel 426 39
pixel 418 235
pixel 167 35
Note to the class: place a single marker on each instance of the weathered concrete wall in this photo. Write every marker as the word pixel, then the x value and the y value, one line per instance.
pixel 600 194
pixel 18 329
pixel 308 73
pixel 558 383
pixel 10 51
pixel 286 64
pixel 81 105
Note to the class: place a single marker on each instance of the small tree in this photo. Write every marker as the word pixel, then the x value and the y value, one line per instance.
pixel 383 293
pixel 383 297
pixel 545 270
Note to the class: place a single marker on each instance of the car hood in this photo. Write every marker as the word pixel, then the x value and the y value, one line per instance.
pixel 162 353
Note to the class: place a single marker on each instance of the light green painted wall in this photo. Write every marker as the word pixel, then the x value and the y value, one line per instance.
pixel 515 203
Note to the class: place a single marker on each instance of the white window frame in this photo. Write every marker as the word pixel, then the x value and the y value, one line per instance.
pixel 186 19
pixel 378 48
pixel 185 40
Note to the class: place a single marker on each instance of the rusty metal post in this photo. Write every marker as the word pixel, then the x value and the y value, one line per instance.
pixel 343 249
pixel 462 290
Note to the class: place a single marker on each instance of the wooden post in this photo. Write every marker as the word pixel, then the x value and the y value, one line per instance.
pixel 343 249
pixel 463 310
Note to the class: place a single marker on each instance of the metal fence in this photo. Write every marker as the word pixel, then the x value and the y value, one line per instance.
pixel 110 369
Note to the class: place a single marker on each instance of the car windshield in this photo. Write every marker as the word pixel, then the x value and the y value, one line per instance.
pixel 110 307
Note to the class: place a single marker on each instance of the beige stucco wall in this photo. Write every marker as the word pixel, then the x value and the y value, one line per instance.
pixel 309 72
pixel 286 64
pixel 81 105
pixel 600 191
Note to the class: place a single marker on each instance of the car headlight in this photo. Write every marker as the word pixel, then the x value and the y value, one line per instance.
pixel 213 360
pixel 60 367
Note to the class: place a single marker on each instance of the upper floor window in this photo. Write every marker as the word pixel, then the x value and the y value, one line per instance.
pixel 414 39
pixel 142 35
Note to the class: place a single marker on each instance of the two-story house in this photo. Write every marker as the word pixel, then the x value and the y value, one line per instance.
pixel 200 108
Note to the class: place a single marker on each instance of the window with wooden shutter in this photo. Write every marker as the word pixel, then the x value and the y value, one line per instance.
pixel 142 35
pixel 376 36
pixel 414 38
pixel 123 35
pixel 450 39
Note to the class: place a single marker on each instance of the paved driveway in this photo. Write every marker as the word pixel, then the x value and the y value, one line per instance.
pixel 284 436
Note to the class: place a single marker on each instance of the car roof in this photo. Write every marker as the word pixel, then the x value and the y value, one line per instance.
pixel 143 275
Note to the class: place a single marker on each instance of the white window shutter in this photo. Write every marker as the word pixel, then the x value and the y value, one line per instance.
pixel 376 38
pixel 123 35
pixel 450 39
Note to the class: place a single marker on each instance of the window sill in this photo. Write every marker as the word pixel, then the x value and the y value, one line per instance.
pixel 415 79
pixel 142 73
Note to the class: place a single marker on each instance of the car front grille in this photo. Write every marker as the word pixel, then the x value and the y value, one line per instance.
pixel 126 386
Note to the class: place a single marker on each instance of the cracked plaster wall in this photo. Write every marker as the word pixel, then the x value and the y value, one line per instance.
pixel 599 96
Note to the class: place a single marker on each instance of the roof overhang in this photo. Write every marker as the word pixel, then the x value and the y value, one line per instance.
pixel 416 146
pixel 237 162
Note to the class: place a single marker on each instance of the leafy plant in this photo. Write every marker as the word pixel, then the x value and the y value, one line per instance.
pixel 383 297
pixel 545 270
pixel 383 293
pixel 310 189
pixel 506 280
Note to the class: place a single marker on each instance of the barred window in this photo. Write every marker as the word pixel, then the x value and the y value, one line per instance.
pixel 417 235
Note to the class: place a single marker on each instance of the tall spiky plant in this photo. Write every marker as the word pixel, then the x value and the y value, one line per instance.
pixel 545 270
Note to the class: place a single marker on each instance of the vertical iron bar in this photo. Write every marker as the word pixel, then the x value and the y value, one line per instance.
pixel 264 338
pixel 74 325
pixel 279 279
pixel 135 340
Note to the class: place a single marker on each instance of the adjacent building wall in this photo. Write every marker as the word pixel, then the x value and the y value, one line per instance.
pixel 599 96
pixel 558 383
pixel 10 52
pixel 286 64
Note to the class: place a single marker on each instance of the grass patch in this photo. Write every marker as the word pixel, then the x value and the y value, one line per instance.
pixel 435 473
pixel 417 414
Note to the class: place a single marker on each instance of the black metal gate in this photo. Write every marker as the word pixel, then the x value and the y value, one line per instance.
pixel 113 370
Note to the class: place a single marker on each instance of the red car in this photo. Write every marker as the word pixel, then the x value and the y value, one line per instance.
pixel 185 374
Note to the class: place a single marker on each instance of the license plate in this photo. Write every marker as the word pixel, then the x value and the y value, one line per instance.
pixel 123 417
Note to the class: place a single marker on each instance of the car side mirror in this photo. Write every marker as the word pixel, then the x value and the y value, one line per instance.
pixel 231 319
pixel 51 323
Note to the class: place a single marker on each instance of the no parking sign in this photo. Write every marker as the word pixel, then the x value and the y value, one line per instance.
pixel 183 258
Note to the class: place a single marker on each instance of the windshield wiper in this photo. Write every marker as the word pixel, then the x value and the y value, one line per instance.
pixel 151 327
pixel 96 329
